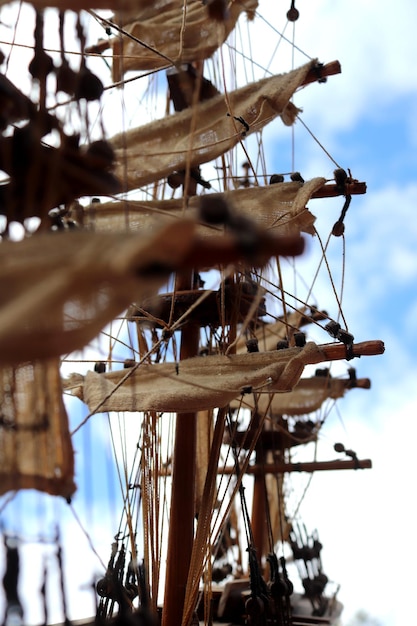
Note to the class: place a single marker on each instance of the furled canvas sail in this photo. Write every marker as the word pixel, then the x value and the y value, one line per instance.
pixel 35 444
pixel 280 207
pixel 79 282
pixel 200 134
pixel 58 290
pixel 194 384
pixel 307 396
pixel 268 335
pixel 172 30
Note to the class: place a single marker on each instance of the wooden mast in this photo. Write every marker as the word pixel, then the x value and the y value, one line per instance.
pixel 182 513
pixel 259 502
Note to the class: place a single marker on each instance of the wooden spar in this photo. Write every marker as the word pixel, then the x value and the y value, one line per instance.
pixel 228 249
pixel 337 351
pixel 308 620
pixel 318 72
pixel 181 527
pixel 352 188
pixel 287 468
pixel 309 467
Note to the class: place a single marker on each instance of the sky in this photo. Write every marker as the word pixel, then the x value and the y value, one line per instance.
pixel 366 118
pixel 367 518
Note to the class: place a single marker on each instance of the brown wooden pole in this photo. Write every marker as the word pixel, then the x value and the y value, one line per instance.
pixel 181 526
pixel 283 468
pixel 314 466
pixel 206 252
pixel 337 351
pixel 331 190
pixel 320 72
pixel 259 504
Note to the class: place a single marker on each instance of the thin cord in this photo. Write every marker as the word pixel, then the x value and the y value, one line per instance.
pixel 318 142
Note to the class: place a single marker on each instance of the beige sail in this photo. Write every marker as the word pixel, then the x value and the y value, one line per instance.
pixel 183 32
pixel 202 133
pixel 307 396
pixel 195 384
pixel 280 207
pixel 268 335
pixel 57 291
pixel 35 444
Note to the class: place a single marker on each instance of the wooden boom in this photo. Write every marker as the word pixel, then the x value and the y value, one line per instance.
pixel 314 466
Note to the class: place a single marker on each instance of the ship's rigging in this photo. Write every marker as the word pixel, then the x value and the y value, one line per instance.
pixel 195 192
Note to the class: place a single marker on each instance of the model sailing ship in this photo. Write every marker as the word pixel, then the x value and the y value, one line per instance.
pixel 217 380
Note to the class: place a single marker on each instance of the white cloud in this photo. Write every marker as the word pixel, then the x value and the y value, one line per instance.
pixel 366 518
pixel 375 46
pixel 381 255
